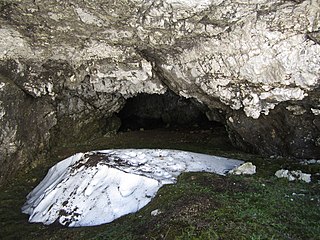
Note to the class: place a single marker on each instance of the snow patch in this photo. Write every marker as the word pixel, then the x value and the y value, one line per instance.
pixel 97 187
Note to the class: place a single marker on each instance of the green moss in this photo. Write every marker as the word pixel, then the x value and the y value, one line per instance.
pixel 199 206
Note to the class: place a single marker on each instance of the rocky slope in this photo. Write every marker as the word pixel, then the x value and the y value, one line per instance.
pixel 68 66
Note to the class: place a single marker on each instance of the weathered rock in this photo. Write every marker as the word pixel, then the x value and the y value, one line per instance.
pixel 293 175
pixel 244 169
pixel 279 133
pixel 254 64
pixel 25 123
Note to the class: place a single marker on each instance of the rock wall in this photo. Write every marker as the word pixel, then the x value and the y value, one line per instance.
pixel 25 123
pixel 255 62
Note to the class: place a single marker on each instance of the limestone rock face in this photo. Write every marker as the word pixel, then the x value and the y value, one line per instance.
pixel 25 123
pixel 245 59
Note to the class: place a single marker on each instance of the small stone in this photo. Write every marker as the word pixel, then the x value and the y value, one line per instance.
pixel 155 212
pixel 305 177
pixel 281 173
pixel 245 169
pixel 311 161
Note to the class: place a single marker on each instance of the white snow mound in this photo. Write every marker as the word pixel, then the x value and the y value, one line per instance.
pixel 97 187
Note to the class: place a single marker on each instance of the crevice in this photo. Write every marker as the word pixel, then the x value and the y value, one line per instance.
pixel 314 36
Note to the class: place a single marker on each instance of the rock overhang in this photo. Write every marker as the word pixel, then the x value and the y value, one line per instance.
pixel 247 59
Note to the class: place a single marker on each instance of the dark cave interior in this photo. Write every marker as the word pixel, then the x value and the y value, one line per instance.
pixel 167 111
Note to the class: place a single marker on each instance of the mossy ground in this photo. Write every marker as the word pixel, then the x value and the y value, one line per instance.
pixel 199 206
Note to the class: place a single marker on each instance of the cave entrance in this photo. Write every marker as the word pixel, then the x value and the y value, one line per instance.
pixel 165 111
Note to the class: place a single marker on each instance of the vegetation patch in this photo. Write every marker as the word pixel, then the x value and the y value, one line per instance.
pixel 198 206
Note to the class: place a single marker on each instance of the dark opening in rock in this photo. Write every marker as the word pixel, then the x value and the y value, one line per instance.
pixel 152 111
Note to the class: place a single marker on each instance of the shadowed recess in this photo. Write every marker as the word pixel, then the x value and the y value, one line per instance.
pixel 152 111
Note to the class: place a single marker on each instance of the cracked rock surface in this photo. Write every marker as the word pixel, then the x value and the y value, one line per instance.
pixel 256 62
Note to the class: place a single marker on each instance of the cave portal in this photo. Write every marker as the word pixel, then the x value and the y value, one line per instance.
pixel 168 110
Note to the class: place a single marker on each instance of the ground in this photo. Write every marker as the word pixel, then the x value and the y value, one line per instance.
pixel 199 206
